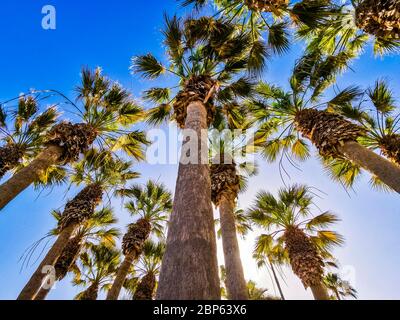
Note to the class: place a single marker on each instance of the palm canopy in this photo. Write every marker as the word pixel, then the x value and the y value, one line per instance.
pixel 257 293
pixel 110 111
pixel 292 209
pixel 23 129
pixel 207 51
pixel 150 260
pixel 103 168
pixel 378 115
pixel 104 113
pixel 96 269
pixel 271 17
pixel 98 229
pixel 276 111
pixel 346 27
pixel 148 268
pixel 152 202
pixel 266 252
pixel 339 287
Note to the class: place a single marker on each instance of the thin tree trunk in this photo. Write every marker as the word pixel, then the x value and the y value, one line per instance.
pixel 120 277
pixel 276 280
pixel 235 281
pixel 34 284
pixel 386 171
pixel 319 292
pixel 26 176
pixel 190 268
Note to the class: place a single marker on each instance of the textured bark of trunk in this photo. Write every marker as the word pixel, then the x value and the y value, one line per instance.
pixel 235 281
pixel 319 292
pixel 120 277
pixel 10 156
pixel 386 171
pixel 35 282
pixel 145 288
pixel 26 176
pixel 190 268
pixel 278 284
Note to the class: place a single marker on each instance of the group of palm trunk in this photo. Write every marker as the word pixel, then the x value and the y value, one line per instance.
pixel 189 267
pixel 191 244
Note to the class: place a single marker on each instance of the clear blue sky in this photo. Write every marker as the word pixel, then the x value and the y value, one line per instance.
pixel 107 33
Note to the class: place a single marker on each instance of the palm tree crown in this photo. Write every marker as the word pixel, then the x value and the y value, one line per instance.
pixel 152 202
pixel 340 288
pixel 271 17
pixel 289 220
pixel 204 55
pixel 95 270
pixel 148 268
pixel 358 22
pixel 23 134
pixel 105 112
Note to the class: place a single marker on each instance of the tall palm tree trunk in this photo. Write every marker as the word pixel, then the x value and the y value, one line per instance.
pixel 120 277
pixel 32 287
pixel 235 281
pixel 386 171
pixel 190 268
pixel 319 292
pixel 278 284
pixel 26 176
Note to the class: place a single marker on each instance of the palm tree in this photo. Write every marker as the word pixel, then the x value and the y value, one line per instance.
pixel 105 112
pixel 101 172
pixel 152 204
pixel 380 121
pixel 339 287
pixel 96 269
pixel 306 242
pixel 204 55
pixel 149 267
pixel 96 230
pixel 298 111
pixel 357 22
pixel 256 293
pixel 271 256
pixel 381 126
pixel 23 137
pixel 271 17
pixel 228 178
